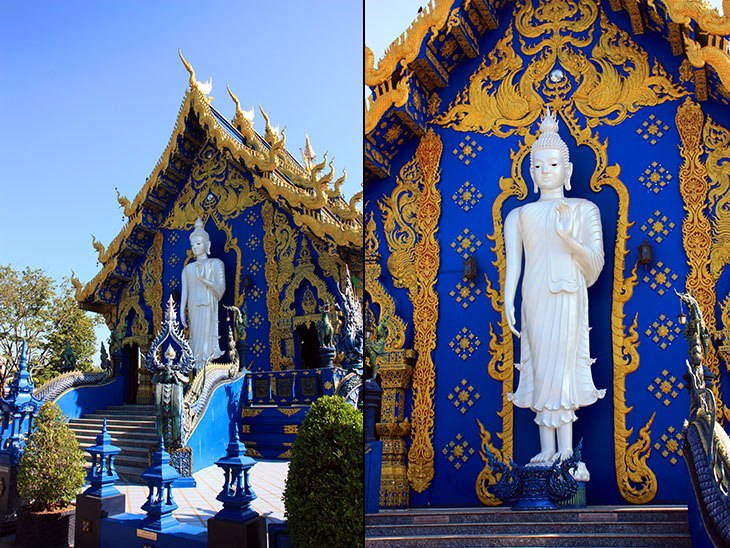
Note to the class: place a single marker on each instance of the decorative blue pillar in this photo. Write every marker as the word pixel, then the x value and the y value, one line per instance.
pixel 237 494
pixel 101 499
pixel 101 474
pixel 18 410
pixel 237 524
pixel 160 505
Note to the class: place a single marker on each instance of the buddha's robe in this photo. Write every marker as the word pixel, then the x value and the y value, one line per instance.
pixel 555 363
pixel 202 307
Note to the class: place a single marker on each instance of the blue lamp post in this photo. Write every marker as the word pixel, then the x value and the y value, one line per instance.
pixel 101 474
pixel 160 505
pixel 236 494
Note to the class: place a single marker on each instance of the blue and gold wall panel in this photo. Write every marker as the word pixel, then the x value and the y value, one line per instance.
pixel 628 114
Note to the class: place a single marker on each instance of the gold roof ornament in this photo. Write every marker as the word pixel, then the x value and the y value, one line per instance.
pixel 308 154
pixel 272 134
pixel 203 87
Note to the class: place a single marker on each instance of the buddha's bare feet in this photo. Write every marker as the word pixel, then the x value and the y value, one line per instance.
pixel 564 454
pixel 543 457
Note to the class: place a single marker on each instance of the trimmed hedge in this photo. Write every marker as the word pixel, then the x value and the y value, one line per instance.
pixel 324 494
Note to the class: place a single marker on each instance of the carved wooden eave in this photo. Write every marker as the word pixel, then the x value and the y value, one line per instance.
pixel 308 195
pixel 403 83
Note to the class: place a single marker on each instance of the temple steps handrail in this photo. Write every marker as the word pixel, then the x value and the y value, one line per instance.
pixel 57 386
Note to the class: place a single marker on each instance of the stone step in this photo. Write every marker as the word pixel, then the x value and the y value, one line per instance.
pixel 118 417
pixel 130 443
pixel 605 514
pixel 130 451
pixel 131 429
pixel 527 527
pixel 532 540
pixel 594 526
pixel 130 407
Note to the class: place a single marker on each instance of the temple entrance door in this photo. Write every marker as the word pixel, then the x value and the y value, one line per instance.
pixel 131 381
pixel 308 347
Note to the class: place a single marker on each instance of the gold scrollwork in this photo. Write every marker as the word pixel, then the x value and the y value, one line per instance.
pixel 399 220
pixel 697 228
pixel 151 271
pixel 271 273
pixel 378 294
pixel 425 312
pixel 614 82
pixel 214 185
pixel 486 478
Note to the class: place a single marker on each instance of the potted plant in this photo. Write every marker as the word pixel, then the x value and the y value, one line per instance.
pixel 50 474
pixel 324 496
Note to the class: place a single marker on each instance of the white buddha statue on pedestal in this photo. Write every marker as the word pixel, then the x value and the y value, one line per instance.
pixel 563 247
pixel 203 285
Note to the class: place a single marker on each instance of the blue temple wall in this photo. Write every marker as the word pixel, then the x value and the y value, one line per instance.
pixel 87 399
pixel 215 429
pixel 654 393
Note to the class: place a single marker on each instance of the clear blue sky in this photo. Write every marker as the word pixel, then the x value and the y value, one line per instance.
pixel 91 92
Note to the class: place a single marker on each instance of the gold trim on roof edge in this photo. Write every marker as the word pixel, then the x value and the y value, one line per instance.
pixel 684 11
pixel 405 48
pixel 716 58
pixel 319 219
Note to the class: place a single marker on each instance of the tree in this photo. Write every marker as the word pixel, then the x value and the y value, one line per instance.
pixel 36 308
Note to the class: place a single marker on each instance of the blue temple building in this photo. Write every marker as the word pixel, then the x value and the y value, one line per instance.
pixel 291 246
pixel 641 92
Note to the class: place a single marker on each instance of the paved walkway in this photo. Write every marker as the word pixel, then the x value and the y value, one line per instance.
pixel 197 504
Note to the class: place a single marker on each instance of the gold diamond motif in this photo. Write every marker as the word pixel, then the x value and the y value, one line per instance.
pixel 467 150
pixel 255 294
pixel 466 196
pixel 652 129
pixel 256 321
pixel 257 348
pixel 252 242
pixel 466 244
pixel 666 387
pixel 669 445
pixel 254 267
pixel 658 226
pixel 463 396
pixel 655 177
pixel 458 451
pixel 663 331
pixel 465 293
pixel 465 343
pixel 660 278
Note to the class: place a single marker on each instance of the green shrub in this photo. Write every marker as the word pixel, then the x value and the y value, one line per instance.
pixel 324 494
pixel 51 469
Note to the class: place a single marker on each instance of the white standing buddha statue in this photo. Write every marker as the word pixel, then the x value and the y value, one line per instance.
pixel 563 247
pixel 203 285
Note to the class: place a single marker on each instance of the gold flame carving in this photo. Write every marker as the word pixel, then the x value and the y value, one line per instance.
pixel 378 294
pixel 614 82
pixel 697 229
pixel 425 312
pixel 411 216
